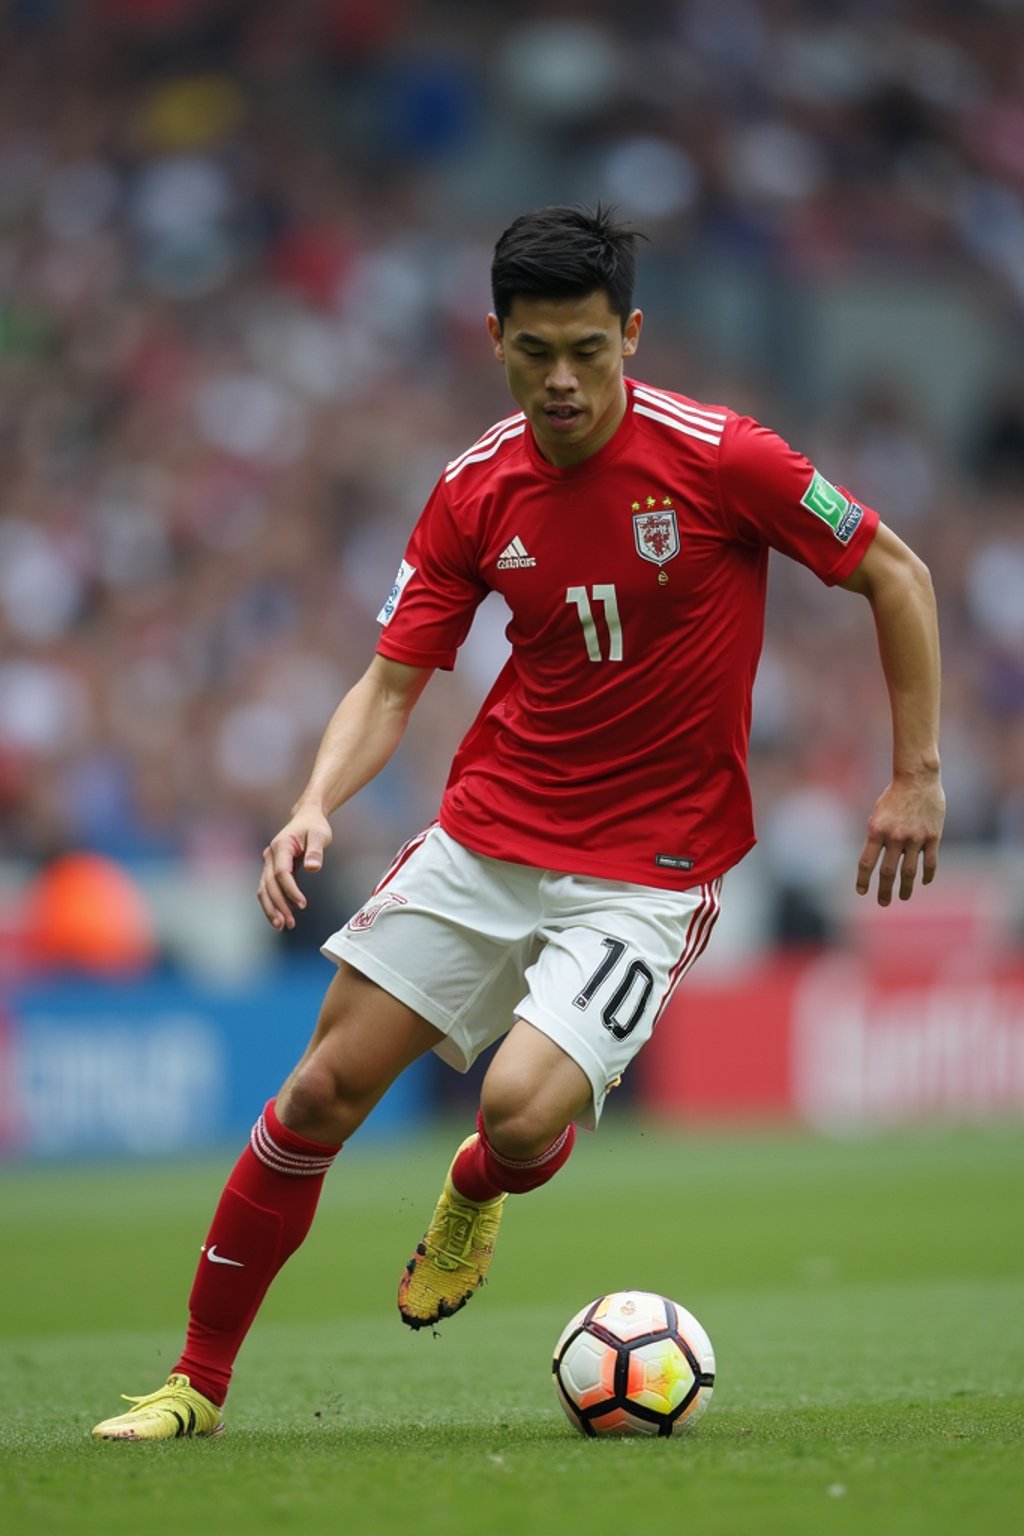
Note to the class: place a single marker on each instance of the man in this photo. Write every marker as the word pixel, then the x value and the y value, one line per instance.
pixel 594 806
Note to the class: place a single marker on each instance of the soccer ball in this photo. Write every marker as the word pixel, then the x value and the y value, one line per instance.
pixel 633 1363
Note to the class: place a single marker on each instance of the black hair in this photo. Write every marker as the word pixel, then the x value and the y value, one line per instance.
pixel 564 253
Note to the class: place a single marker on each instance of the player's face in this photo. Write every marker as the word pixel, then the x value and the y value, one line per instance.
pixel 564 362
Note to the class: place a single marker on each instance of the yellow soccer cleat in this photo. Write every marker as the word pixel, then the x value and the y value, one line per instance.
pixel 453 1259
pixel 174 1412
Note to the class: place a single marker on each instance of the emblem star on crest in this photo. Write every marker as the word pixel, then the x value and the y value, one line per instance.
pixel 651 501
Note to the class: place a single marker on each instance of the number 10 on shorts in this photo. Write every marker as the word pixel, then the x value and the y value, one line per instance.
pixel 603 593
pixel 625 1008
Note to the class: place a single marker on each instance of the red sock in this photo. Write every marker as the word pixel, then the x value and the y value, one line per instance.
pixel 265 1211
pixel 481 1174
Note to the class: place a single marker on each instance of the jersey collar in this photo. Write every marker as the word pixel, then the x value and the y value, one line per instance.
pixel 598 461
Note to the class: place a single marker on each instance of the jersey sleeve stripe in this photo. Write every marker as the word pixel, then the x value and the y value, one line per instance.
pixel 498 432
pixel 485 437
pixel 485 453
pixel 695 414
pixel 678 426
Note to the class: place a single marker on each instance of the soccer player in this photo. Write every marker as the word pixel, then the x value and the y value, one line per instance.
pixel 575 872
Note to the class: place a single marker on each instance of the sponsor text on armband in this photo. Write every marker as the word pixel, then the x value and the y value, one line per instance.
pixel 394 597
pixel 841 514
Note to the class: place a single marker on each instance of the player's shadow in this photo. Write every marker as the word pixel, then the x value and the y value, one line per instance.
pixel 492 1440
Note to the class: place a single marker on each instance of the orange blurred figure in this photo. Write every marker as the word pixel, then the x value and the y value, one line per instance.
pixel 86 913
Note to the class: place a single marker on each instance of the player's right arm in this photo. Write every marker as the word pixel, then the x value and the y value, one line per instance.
pixel 360 737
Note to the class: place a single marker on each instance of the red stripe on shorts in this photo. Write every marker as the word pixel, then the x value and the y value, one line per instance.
pixel 401 857
pixel 697 935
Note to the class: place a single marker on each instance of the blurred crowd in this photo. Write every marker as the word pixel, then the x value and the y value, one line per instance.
pixel 244 254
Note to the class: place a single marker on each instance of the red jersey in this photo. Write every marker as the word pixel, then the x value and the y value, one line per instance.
pixel 614 741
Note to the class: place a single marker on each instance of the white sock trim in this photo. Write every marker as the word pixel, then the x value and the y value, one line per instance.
pixel 532 1162
pixel 280 1160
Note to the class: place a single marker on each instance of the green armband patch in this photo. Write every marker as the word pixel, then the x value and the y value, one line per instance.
pixel 842 515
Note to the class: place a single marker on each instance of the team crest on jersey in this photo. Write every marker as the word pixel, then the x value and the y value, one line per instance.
pixel 656 530
pixel 368 915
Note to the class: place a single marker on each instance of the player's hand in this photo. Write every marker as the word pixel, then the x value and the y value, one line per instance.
pixel 301 841
pixel 904 830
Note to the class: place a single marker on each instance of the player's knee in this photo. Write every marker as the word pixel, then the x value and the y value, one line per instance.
pixel 516 1128
pixel 529 1097
pixel 315 1102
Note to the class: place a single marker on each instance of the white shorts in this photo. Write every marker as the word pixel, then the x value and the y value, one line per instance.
pixel 458 937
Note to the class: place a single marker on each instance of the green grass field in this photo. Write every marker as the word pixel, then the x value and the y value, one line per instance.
pixel 865 1298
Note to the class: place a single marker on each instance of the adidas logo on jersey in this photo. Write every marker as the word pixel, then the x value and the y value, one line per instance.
pixel 514 557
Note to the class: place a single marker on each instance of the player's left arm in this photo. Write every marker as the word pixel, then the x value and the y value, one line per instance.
pixel 905 826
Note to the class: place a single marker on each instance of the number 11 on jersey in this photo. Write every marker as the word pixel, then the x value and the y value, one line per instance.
pixel 603 593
